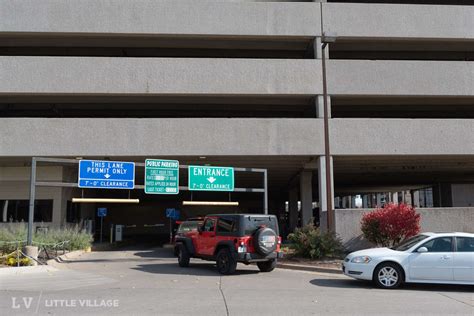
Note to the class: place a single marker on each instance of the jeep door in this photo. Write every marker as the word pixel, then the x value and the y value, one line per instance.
pixel 207 238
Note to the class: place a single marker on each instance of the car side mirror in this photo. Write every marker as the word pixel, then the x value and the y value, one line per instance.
pixel 199 229
pixel 422 250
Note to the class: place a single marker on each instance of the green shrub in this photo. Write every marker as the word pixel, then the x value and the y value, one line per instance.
pixel 12 237
pixel 78 239
pixel 310 242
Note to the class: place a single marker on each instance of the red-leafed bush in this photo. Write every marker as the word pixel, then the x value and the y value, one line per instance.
pixel 391 224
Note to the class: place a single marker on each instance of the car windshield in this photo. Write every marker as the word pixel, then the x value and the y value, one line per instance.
pixel 252 223
pixel 188 226
pixel 410 242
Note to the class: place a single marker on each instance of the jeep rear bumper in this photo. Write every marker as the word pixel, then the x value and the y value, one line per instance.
pixel 248 257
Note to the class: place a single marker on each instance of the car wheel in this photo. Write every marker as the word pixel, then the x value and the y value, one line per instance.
pixel 267 266
pixel 183 256
pixel 226 263
pixel 388 276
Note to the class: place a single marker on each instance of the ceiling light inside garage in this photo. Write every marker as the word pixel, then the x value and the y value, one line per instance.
pixel 211 203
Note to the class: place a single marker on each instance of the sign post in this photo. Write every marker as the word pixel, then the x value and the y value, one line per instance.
pixel 161 176
pixel 106 174
pixel 101 212
pixel 206 178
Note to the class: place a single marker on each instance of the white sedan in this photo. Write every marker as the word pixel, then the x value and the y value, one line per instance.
pixel 426 258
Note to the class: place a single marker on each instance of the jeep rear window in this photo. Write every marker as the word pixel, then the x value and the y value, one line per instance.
pixel 226 225
pixel 252 223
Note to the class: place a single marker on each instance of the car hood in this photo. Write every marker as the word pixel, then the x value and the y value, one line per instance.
pixel 373 252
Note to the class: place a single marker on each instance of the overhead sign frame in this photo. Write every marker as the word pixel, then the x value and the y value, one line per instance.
pixel 60 161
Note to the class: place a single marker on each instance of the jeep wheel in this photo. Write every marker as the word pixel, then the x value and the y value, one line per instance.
pixel 267 266
pixel 226 263
pixel 183 256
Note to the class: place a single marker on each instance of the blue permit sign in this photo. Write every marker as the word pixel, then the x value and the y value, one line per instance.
pixel 102 212
pixel 172 213
pixel 106 174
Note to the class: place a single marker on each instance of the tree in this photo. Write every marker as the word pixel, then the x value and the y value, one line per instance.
pixel 391 224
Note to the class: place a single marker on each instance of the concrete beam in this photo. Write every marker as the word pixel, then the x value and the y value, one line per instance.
pixel 144 137
pixel 158 76
pixel 151 17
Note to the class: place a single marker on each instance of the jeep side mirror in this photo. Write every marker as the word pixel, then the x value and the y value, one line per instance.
pixel 199 229
pixel 422 250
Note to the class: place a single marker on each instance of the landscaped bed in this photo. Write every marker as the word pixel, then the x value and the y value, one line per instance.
pixel 50 244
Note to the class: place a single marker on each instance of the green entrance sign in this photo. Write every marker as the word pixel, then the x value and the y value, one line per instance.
pixel 161 176
pixel 205 178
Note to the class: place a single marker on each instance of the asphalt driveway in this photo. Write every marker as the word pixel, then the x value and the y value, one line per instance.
pixel 143 281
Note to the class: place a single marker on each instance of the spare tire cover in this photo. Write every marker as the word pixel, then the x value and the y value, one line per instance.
pixel 265 241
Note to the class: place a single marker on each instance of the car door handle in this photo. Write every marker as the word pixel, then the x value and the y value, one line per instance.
pixel 446 257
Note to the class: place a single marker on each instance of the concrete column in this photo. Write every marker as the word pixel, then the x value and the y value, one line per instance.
pixel 395 197
pixel 322 190
pixel 59 209
pixel 407 197
pixel 317 46
pixel 320 106
pixel 293 209
pixel 306 196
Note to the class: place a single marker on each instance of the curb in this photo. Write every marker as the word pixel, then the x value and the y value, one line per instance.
pixel 301 267
pixel 65 258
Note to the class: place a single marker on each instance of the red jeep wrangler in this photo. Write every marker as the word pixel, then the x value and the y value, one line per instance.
pixel 231 238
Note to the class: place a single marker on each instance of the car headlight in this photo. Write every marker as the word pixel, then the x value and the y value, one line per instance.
pixel 361 259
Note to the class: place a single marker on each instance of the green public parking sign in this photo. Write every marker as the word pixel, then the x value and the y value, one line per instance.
pixel 205 178
pixel 161 176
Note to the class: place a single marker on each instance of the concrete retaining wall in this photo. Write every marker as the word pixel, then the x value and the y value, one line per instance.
pixel 460 219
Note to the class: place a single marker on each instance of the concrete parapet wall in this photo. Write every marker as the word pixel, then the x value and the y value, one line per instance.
pixel 155 17
pixel 405 21
pixel 400 78
pixel 147 137
pixel 377 136
pixel 455 219
pixel 158 76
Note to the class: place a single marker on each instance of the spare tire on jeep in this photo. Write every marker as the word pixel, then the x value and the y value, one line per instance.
pixel 265 241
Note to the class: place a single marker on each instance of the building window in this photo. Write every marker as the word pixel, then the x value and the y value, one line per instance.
pixel 426 197
pixel 17 211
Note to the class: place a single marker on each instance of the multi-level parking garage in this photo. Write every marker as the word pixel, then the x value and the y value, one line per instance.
pixel 240 83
